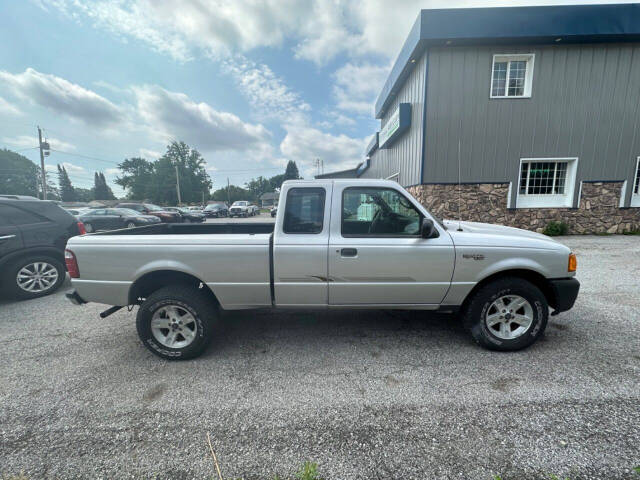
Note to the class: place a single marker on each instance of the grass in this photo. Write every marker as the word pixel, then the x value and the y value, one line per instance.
pixel 632 232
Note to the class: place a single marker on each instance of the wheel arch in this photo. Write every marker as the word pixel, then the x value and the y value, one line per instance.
pixel 531 276
pixel 33 252
pixel 148 283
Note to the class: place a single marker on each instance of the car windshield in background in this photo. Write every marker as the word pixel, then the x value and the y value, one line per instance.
pixel 126 211
pixel 153 208
pixel 241 204
pixel 213 207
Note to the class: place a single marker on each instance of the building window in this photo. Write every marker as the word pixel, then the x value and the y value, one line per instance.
pixel 546 182
pixel 635 195
pixel 511 76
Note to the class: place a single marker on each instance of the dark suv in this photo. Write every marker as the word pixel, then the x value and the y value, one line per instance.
pixel 33 234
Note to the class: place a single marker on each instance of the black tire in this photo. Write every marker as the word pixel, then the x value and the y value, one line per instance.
pixel 190 299
pixel 9 279
pixel 89 228
pixel 476 310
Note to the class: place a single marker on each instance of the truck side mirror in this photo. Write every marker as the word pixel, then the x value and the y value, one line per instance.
pixel 428 229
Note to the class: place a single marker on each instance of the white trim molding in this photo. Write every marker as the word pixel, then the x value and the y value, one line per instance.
pixel 393 177
pixel 623 194
pixel 528 75
pixel 635 193
pixel 564 200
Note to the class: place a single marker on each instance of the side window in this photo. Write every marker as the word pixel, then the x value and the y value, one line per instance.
pixel 100 211
pixel 18 216
pixel 373 211
pixel 304 212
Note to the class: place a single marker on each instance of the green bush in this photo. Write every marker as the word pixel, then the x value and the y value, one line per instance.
pixel 554 229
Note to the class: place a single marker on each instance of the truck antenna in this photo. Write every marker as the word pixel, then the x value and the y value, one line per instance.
pixel 459 193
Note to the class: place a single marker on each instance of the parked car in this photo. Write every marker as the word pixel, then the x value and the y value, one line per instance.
pixel 33 234
pixel 195 209
pixel 335 243
pixel 241 208
pixel 254 209
pixel 188 216
pixel 150 209
pixel 115 218
pixel 76 212
pixel 274 211
pixel 215 210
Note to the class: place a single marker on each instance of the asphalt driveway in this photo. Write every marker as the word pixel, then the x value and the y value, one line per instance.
pixel 364 394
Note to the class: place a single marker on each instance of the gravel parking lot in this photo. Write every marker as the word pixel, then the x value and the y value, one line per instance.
pixel 363 394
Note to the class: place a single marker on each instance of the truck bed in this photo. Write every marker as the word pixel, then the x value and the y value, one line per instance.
pixel 196 229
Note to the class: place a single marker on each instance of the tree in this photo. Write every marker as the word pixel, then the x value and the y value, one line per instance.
pixel 156 181
pixel 137 174
pixel 18 175
pixel 291 172
pixel 235 193
pixel 258 186
pixel 101 191
pixel 67 192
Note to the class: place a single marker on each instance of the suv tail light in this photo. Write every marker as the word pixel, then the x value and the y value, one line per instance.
pixel 72 263
pixel 81 229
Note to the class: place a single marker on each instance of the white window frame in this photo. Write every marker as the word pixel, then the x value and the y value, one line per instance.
pixel 565 200
pixel 528 76
pixel 635 197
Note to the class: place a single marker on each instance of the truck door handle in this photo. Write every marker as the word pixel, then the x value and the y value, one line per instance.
pixel 348 252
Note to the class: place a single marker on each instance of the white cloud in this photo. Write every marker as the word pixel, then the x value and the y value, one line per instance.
pixel 111 171
pixel 149 154
pixel 70 167
pixel 305 144
pixel 61 96
pixel 265 91
pixel 319 29
pixel 357 86
pixel 8 108
pixel 29 141
pixel 198 124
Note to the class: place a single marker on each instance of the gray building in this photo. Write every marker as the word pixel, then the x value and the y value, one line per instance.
pixel 528 114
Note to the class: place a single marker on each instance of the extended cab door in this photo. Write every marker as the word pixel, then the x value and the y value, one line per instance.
pixel 300 245
pixel 376 253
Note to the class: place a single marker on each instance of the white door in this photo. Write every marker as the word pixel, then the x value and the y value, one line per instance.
pixel 377 255
pixel 300 246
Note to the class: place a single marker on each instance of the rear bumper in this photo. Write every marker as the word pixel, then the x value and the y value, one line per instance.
pixel 565 292
pixel 74 298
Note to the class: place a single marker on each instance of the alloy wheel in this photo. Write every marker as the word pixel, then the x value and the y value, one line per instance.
pixel 509 317
pixel 173 326
pixel 37 277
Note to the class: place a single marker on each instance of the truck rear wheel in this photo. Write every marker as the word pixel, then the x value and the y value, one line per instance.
pixel 177 322
pixel 507 314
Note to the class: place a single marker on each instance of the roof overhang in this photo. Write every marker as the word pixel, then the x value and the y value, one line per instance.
pixel 510 25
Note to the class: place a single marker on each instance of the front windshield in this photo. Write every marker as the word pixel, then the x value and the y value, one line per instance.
pixel 212 207
pixel 153 208
pixel 241 204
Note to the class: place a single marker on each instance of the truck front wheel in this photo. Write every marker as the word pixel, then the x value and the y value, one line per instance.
pixel 509 313
pixel 177 322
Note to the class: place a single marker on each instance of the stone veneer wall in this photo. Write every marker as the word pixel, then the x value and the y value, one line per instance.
pixel 598 211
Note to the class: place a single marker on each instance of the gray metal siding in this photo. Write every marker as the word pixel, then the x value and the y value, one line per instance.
pixel 404 156
pixel 584 104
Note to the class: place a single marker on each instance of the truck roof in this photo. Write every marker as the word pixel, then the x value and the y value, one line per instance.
pixel 343 181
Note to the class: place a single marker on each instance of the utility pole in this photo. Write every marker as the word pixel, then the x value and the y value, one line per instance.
pixel 44 175
pixel 228 193
pixel 203 199
pixel 178 185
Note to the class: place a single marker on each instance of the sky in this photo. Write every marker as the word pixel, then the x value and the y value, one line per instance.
pixel 250 84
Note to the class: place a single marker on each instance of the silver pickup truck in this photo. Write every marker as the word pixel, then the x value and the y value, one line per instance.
pixel 334 244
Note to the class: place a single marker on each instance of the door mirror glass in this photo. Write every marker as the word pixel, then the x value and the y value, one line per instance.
pixel 428 229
